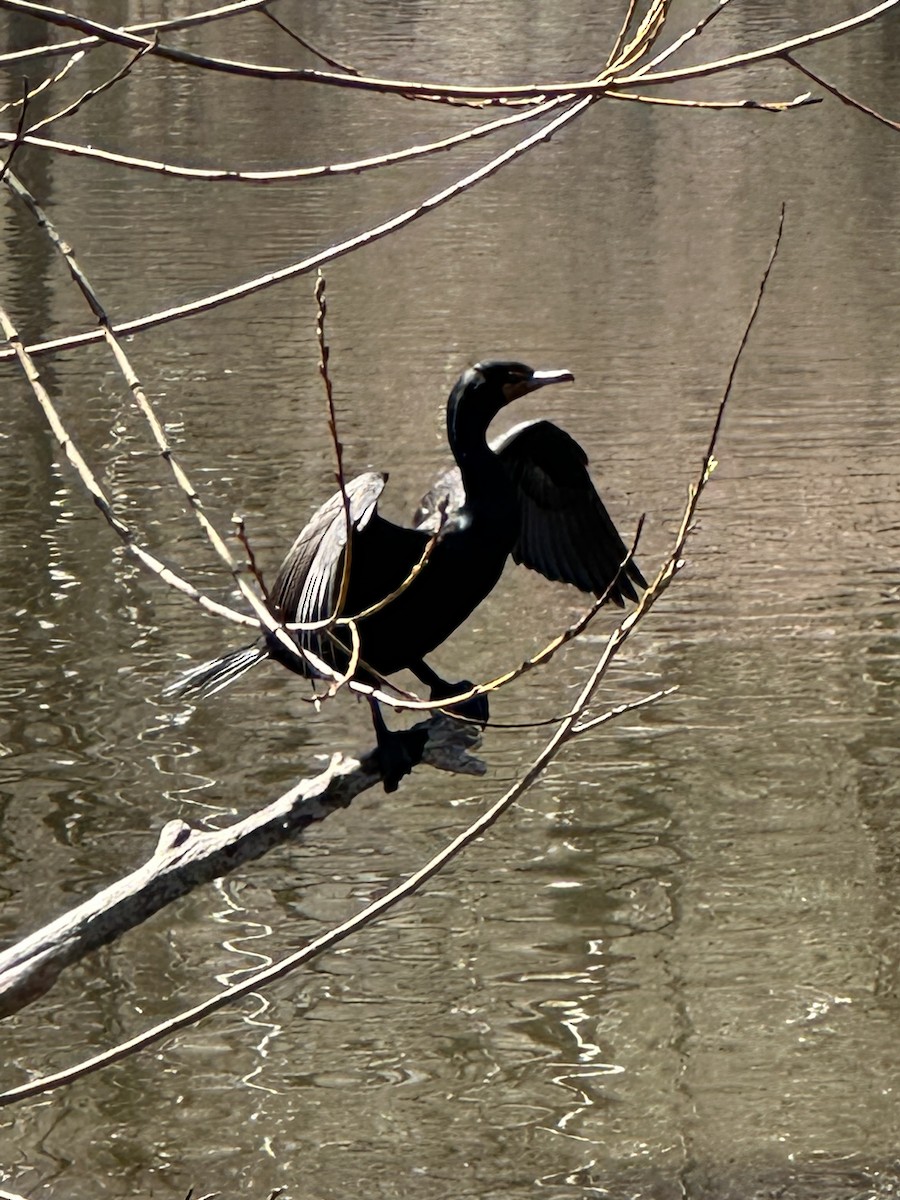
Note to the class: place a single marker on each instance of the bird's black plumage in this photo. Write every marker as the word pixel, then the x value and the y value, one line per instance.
pixel 527 495
pixel 564 530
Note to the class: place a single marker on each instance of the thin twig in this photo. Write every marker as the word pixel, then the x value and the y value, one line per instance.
pixel 332 62
pixel 414 571
pixel 45 83
pixel 649 29
pixel 240 532
pixel 73 454
pixel 778 50
pixel 233 175
pixel 353 663
pixel 20 129
pixel 718 105
pixel 682 41
pixel 324 354
pixel 322 257
pixel 622 34
pixel 842 96
pixel 209 15
pixel 71 109
pixel 265 619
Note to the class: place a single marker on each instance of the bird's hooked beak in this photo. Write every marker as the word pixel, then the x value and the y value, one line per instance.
pixel 541 378
pixel 538 379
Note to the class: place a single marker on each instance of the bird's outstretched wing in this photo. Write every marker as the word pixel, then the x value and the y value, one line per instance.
pixel 565 532
pixel 308 580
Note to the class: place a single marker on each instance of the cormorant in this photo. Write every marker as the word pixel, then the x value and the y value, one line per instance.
pixel 528 494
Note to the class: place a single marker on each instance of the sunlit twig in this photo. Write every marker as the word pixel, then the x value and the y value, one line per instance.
pixel 367 237
pixel 264 618
pixel 45 83
pixel 207 16
pixel 91 93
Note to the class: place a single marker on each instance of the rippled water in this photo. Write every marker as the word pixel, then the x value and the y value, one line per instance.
pixel 672 969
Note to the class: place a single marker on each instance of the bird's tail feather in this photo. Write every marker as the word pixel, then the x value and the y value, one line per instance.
pixel 212 677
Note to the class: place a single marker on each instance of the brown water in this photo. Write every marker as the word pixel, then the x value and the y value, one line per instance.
pixel 672 971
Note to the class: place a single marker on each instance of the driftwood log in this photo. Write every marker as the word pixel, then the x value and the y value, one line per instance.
pixel 185 858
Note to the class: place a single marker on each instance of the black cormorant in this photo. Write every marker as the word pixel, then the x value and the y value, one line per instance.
pixel 528 494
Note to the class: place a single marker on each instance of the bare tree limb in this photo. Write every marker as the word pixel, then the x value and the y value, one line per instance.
pixel 718 105
pixel 73 454
pixel 186 858
pixel 233 175
pixel 301 41
pixel 490 94
pixel 373 234
pixel 778 50
pixel 91 93
pixel 264 618
pixel 44 84
pixel 201 18
pixel 682 41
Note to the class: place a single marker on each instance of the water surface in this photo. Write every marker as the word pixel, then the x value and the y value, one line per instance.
pixel 672 970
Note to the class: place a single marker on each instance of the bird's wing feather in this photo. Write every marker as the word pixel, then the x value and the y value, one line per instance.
pixel 566 532
pixel 308 580
pixel 447 487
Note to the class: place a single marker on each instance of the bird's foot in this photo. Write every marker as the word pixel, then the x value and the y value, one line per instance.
pixel 398 752
pixel 475 709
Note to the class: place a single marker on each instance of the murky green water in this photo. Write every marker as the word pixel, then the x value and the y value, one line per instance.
pixel 673 969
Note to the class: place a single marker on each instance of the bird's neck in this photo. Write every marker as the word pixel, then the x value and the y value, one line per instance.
pixel 467 435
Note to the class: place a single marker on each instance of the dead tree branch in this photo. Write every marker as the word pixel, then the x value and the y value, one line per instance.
pixel 209 15
pixel 487 94
pixel 186 858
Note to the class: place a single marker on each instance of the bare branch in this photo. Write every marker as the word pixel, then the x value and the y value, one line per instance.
pixel 645 36
pixel 704 70
pixel 622 34
pixel 73 108
pixel 431 91
pixel 233 175
pixel 44 84
pixel 373 234
pixel 201 18
pixel 842 96
pixel 331 62
pixel 682 41
pixel 264 618
pixel 73 454
pixel 20 128
pixel 719 105
pixel 186 858
pixel 414 571
pixel 331 421
pixel 240 532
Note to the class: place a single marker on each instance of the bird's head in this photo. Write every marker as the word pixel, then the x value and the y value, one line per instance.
pixel 492 385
